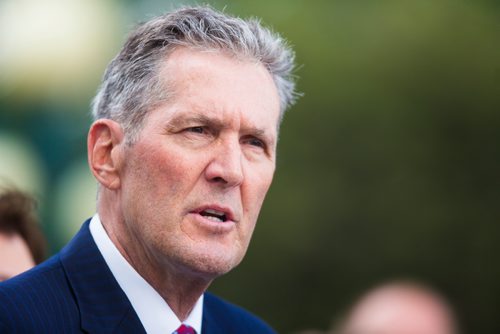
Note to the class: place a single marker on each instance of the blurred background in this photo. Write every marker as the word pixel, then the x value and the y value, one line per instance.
pixel 388 166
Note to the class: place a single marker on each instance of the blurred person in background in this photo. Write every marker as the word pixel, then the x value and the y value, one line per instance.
pixel 397 307
pixel 400 307
pixel 183 146
pixel 22 244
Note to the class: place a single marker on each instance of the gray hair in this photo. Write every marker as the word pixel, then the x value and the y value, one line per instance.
pixel 132 85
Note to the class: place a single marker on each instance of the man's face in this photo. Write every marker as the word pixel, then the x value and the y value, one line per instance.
pixel 193 183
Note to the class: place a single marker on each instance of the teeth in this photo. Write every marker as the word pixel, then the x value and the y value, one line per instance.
pixel 214 215
pixel 214 212
pixel 215 219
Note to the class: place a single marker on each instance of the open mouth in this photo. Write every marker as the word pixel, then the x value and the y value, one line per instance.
pixel 214 215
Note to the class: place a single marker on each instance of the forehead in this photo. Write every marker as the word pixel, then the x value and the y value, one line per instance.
pixel 216 83
pixel 400 309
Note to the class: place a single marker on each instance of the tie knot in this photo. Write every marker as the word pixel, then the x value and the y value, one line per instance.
pixel 184 329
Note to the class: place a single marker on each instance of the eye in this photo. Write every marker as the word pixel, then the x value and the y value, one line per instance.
pixel 256 142
pixel 196 129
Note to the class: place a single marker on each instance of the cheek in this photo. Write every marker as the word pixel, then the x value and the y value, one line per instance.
pixel 162 169
pixel 256 189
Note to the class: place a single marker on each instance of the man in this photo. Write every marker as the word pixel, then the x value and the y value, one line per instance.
pixel 22 243
pixel 400 308
pixel 184 148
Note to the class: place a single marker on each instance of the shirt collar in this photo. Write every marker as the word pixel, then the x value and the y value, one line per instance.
pixel 155 314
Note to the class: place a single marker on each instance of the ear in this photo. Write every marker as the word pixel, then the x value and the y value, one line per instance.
pixel 105 144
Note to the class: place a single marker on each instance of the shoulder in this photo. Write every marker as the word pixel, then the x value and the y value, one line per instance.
pixel 231 318
pixel 30 300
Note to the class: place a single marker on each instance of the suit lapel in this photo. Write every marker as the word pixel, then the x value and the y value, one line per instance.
pixel 104 307
pixel 211 323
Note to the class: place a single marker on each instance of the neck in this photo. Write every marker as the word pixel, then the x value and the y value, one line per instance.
pixel 179 286
pixel 180 291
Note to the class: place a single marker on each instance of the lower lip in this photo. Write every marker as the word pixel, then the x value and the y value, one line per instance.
pixel 213 226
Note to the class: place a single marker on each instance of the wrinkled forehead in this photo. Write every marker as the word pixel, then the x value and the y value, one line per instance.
pixel 201 77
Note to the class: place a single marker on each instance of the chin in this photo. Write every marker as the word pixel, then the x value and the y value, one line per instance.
pixel 211 264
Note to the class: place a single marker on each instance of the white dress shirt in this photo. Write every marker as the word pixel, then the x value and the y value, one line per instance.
pixel 155 314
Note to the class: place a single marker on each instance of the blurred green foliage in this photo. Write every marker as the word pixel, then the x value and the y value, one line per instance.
pixel 387 167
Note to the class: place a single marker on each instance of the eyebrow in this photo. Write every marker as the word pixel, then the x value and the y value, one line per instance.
pixel 196 118
pixel 214 123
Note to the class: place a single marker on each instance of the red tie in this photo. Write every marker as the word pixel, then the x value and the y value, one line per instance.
pixel 184 329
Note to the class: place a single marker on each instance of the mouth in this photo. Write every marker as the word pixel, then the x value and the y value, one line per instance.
pixel 215 213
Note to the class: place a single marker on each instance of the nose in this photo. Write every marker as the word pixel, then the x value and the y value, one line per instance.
pixel 226 164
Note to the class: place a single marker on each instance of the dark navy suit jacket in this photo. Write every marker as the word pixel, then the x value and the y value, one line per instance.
pixel 75 292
